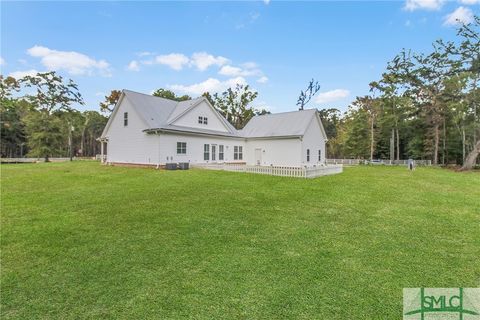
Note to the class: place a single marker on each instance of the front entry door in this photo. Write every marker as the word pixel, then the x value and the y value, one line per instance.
pixel 214 152
pixel 258 157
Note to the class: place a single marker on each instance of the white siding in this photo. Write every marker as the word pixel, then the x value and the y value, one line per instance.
pixel 190 119
pixel 195 145
pixel 277 152
pixel 128 144
pixel 313 140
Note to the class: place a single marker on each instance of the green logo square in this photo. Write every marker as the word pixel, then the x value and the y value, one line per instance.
pixel 441 303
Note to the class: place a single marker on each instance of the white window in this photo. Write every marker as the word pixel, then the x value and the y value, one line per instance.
pixel 181 148
pixel 237 153
pixel 206 152
pixel 308 155
pixel 125 119
pixel 220 152
pixel 202 120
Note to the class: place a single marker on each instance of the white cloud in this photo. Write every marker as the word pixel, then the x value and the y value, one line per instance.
pixel 469 2
pixel 21 74
pixel 147 62
pixel 199 60
pixel 412 5
pixel 262 79
pixel 176 61
pixel 133 66
pixel 333 95
pixel 250 65
pixel 252 17
pixel 230 71
pixel 70 61
pixel 2 62
pixel 144 53
pixel 266 1
pixel 211 85
pixel 203 60
pixel 459 16
pixel 238 72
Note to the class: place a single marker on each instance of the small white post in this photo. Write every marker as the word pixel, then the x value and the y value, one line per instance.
pixel 101 152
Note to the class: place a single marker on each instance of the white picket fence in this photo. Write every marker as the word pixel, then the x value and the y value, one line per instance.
pixel 282 171
pixel 353 162
pixel 99 157
pixel 348 162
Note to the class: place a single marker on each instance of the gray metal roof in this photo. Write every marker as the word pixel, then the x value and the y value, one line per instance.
pixel 183 107
pixel 154 110
pixel 293 123
pixel 159 113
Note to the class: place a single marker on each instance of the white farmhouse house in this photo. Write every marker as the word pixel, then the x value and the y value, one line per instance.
pixel 149 130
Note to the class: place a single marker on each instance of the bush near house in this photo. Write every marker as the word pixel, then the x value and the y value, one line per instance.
pixel 80 240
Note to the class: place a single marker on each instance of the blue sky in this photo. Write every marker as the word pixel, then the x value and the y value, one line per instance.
pixel 275 46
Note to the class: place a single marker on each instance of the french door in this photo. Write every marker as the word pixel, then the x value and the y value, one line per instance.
pixel 214 152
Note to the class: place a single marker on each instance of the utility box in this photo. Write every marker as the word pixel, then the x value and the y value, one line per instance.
pixel 183 166
pixel 171 166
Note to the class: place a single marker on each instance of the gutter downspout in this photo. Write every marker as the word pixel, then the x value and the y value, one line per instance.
pixel 158 162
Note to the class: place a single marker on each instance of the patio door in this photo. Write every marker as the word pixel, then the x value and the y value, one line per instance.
pixel 214 152
pixel 258 156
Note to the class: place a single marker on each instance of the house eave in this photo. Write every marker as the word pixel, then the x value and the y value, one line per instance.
pixel 187 132
pixel 275 137
pixel 222 135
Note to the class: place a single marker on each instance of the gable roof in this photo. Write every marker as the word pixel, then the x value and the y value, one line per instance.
pixel 154 110
pixel 293 123
pixel 183 107
pixel 161 114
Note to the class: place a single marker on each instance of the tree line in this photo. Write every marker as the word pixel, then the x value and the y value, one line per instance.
pixel 38 120
pixel 424 106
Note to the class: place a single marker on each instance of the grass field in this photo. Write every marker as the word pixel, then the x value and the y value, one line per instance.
pixel 80 240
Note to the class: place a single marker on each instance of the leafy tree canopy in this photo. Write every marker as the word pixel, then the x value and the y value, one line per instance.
pixel 168 94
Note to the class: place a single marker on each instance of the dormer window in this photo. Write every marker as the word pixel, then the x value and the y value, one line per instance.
pixel 202 120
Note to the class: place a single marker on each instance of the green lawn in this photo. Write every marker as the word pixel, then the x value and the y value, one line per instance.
pixel 81 240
